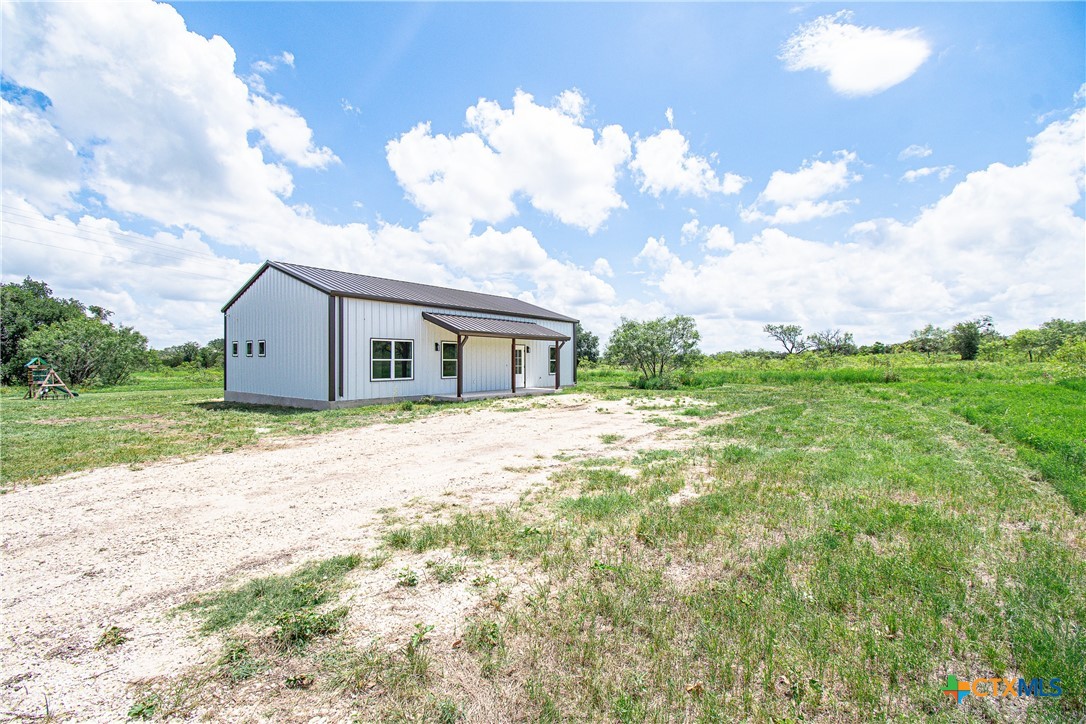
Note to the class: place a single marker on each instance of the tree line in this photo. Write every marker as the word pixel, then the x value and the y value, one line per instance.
pixel 86 347
pixel 79 340
pixel 970 339
pixel 655 349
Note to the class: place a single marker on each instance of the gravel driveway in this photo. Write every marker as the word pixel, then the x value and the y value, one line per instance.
pixel 120 546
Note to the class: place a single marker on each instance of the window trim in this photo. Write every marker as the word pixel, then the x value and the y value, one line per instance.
pixel 552 360
pixel 262 348
pixel 234 348
pixel 453 360
pixel 392 360
pixel 248 348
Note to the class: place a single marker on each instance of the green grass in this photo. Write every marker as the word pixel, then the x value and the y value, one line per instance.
pixel 844 540
pixel 288 603
pixel 161 415
pixel 1021 405
pixel 847 546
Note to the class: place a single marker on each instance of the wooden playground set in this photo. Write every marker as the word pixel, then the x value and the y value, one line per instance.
pixel 43 382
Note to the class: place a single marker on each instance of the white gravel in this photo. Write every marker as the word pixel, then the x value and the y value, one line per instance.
pixel 123 547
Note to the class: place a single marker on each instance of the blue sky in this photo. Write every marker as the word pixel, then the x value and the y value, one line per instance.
pixel 872 167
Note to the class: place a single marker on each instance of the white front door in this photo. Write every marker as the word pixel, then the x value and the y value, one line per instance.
pixel 518 366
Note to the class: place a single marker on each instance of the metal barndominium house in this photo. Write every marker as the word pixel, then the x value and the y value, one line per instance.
pixel 306 337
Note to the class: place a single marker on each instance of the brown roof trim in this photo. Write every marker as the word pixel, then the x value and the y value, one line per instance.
pixel 535 313
pixel 286 269
pixel 525 330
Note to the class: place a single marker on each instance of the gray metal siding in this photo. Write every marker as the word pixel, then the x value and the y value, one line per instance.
pixel 293 318
pixel 487 362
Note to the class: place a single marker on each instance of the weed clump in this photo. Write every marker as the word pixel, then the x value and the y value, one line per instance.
pixel 111 637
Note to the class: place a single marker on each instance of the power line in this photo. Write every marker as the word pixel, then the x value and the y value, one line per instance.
pixel 110 234
pixel 113 259
pixel 153 252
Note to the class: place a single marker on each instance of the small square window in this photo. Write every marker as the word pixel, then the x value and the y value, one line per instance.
pixel 234 348
pixel 248 348
pixel 261 348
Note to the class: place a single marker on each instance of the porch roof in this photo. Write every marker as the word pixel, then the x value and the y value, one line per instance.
pixel 485 327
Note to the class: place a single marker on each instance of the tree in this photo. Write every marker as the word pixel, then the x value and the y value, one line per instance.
pixel 25 307
pixel 966 337
pixel 85 349
pixel 1055 332
pixel 1070 358
pixel 1028 341
pixel 929 340
pixel 832 341
pixel 789 335
pixel 212 353
pixel 180 354
pixel 588 345
pixel 656 347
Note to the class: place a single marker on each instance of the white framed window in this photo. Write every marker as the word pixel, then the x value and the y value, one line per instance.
pixel 248 348
pixel 234 348
pixel 552 363
pixel 392 359
pixel 261 348
pixel 448 359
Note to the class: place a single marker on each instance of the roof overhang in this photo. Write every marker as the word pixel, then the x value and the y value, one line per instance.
pixel 486 327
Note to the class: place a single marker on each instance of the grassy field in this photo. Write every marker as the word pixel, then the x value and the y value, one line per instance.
pixel 833 544
pixel 159 415
pixel 842 548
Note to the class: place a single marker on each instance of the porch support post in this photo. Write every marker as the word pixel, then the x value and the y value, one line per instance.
pixel 513 363
pixel 460 366
pixel 558 364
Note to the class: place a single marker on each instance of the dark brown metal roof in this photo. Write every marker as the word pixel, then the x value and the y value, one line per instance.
pixel 484 327
pixel 359 286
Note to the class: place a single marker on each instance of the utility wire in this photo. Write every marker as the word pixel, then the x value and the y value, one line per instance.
pixel 112 235
pixel 152 252
pixel 113 259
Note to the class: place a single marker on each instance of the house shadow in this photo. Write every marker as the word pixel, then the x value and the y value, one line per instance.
pixel 276 410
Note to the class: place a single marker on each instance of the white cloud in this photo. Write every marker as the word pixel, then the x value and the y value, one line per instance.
pixel 859 61
pixel 544 153
pixel 663 163
pixel 459 177
pixel 37 161
pixel 601 267
pixel 560 164
pixel 163 124
pixel 690 231
pixel 286 133
pixel 162 138
pixel 655 253
pixel 914 151
pixel 719 238
pixel 669 114
pixel 571 103
pixel 797 195
pixel 1005 241
pixel 348 107
pixel 915 174
pixel 716 237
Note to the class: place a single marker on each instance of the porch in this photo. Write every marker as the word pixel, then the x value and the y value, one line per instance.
pixel 466 327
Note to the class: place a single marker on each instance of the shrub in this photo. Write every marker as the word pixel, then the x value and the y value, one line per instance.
pixel 1070 358
pixel 84 349
pixel 656 382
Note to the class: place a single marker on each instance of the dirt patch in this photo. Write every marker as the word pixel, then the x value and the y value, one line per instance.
pixel 122 547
